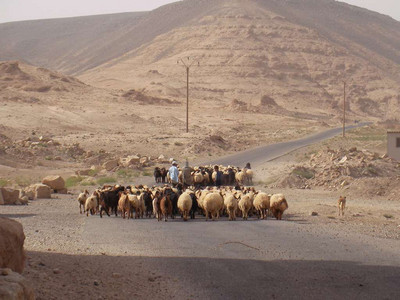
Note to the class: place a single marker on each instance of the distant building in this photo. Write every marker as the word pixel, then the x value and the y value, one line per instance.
pixel 393 144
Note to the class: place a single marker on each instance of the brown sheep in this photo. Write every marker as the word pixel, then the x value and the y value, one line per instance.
pixel 165 207
pixel 124 206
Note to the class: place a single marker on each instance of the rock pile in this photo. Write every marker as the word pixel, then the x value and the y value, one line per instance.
pixel 340 169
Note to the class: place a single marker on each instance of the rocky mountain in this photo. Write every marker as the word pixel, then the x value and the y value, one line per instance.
pixel 297 53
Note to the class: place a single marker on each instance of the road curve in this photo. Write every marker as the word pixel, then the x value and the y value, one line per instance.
pixel 260 155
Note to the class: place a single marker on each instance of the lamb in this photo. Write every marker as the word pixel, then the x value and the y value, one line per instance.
pixel 136 204
pixel 231 205
pixel 245 205
pixel 341 205
pixel 278 205
pixel 213 203
pixel 185 204
pixel 92 203
pixel 82 200
pixel 262 204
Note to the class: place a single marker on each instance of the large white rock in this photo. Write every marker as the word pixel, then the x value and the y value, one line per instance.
pixel 42 191
pixel 9 196
pixel 55 182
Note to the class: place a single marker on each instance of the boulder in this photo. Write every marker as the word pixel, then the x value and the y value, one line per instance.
pixel 130 160
pixel 55 182
pixel 110 165
pixel 14 286
pixel 143 160
pixel 12 238
pixel 10 196
pixel 42 191
pixel 85 172
pixel 30 192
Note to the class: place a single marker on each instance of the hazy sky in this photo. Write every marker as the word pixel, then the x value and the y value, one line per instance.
pixel 16 10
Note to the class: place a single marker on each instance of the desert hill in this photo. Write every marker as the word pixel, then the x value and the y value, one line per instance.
pixel 295 52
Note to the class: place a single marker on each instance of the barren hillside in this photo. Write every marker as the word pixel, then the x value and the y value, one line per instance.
pixel 296 53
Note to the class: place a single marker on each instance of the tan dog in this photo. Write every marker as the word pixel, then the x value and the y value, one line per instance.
pixel 341 205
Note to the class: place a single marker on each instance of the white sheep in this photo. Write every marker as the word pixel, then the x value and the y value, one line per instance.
pixel 231 205
pixel 198 178
pixel 245 205
pixel 241 177
pixel 137 205
pixel 262 204
pixel 92 203
pixel 278 205
pixel 82 200
pixel 249 176
pixel 213 203
pixel 185 204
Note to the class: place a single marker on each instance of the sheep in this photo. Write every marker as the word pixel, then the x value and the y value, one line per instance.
pixel 137 205
pixel 249 176
pixel 82 200
pixel 341 205
pixel 124 205
pixel 245 205
pixel 185 204
pixel 92 203
pixel 198 178
pixel 213 203
pixel 241 177
pixel 231 205
pixel 278 205
pixel 262 204
pixel 165 207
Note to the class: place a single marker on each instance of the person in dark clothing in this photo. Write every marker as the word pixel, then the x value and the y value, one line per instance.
pixel 218 178
pixel 247 166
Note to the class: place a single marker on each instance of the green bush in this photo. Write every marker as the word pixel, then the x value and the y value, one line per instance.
pixel 73 181
pixel 3 182
pixel 303 172
pixel 104 180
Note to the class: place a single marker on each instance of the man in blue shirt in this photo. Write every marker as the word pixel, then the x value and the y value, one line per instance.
pixel 174 173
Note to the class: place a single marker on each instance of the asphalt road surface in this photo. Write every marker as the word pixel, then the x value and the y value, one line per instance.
pixel 260 155
pixel 255 259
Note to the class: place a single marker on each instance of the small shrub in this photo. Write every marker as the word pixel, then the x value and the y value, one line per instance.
pixel 387 216
pixel 127 173
pixel 48 158
pixel 104 180
pixel 3 182
pixel 303 172
pixel 73 181
pixel 147 173
pixel 88 183
pixel 22 181
pixel 178 144
pixel 93 173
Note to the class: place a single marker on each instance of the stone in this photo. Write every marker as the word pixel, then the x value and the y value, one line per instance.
pixel 143 160
pixel 55 182
pixel 12 239
pixel 110 165
pixel 10 196
pixel 314 214
pixel 130 160
pixel 14 286
pixel 42 191
pixel 85 172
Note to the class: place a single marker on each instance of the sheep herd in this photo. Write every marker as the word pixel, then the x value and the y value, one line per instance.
pixel 163 202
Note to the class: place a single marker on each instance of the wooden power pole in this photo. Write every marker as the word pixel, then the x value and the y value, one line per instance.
pixel 187 65
pixel 344 108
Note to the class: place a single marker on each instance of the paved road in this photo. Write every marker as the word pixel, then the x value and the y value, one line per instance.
pixel 254 259
pixel 263 154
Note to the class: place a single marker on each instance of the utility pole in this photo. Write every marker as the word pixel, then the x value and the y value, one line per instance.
pixel 344 108
pixel 187 65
